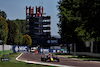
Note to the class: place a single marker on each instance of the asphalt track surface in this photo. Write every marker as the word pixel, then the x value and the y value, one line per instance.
pixel 63 60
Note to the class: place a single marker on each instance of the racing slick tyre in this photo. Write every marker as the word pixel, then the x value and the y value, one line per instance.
pixel 57 60
pixel 42 58
pixel 45 59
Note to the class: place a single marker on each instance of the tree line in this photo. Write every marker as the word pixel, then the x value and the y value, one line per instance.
pixel 79 20
pixel 13 32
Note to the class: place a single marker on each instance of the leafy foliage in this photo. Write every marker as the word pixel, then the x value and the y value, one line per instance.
pixel 22 25
pixel 27 40
pixel 69 20
pixel 90 13
pixel 3 14
pixel 12 31
pixel 79 20
pixel 3 30
pixel 14 35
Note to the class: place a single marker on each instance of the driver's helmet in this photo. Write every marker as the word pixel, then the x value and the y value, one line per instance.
pixel 49 53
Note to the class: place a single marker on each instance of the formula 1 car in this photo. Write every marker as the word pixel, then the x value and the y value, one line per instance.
pixel 50 58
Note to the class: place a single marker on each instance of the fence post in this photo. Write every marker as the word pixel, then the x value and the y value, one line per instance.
pixel 91 47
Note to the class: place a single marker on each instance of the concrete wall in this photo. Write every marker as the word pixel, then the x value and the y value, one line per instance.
pixel 6 47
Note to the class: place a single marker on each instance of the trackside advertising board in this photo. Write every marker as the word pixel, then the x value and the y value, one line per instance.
pixel 17 48
pixel 46 50
pixel 54 50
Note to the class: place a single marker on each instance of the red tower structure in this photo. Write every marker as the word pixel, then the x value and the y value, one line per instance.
pixel 37 25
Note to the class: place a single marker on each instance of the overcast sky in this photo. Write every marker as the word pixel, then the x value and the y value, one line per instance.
pixel 15 9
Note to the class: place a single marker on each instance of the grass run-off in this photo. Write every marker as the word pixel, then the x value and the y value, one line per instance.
pixel 5 52
pixel 13 63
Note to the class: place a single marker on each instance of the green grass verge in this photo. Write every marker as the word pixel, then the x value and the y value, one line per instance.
pixel 88 58
pixel 13 63
pixel 84 58
pixel 6 52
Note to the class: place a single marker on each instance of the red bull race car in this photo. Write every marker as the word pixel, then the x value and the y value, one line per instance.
pixel 50 58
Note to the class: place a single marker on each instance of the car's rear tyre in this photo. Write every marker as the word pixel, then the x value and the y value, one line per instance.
pixel 41 58
pixel 45 59
pixel 57 60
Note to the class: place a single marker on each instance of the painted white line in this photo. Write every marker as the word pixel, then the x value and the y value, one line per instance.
pixel 19 56
pixel 42 63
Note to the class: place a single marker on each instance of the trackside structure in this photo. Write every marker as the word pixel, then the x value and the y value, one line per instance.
pixel 38 26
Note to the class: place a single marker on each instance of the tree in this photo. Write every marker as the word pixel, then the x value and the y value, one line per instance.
pixel 27 40
pixel 78 17
pixel 22 25
pixel 3 14
pixel 3 31
pixel 90 13
pixel 79 20
pixel 15 35
pixel 69 20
